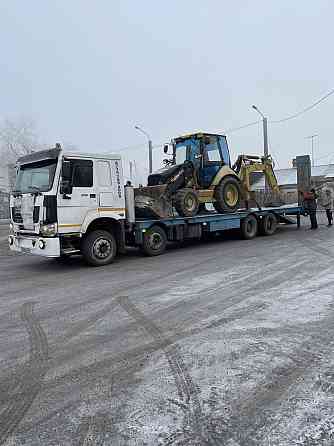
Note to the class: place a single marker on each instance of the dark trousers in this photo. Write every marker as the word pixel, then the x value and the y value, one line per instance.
pixel 313 218
pixel 329 216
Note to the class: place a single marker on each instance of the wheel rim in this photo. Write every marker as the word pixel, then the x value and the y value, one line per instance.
pixel 155 241
pixel 102 248
pixel 190 202
pixel 231 195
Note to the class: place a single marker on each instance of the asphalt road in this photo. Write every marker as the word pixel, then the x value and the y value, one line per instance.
pixel 219 343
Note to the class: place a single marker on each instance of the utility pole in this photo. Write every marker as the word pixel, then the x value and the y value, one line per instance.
pixel 311 137
pixel 150 160
pixel 265 140
pixel 131 174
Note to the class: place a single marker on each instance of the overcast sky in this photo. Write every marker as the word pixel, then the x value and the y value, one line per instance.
pixel 88 71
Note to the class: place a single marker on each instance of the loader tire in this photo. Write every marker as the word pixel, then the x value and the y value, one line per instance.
pixel 268 224
pixel 186 203
pixel 99 248
pixel 154 242
pixel 227 195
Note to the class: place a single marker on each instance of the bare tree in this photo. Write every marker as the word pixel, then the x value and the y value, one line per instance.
pixel 17 137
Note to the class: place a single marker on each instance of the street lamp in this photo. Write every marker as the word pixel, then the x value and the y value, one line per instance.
pixel 265 131
pixel 149 147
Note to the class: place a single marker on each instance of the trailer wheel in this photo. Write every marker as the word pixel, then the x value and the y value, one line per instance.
pixel 227 195
pixel 155 241
pixel 268 224
pixel 249 227
pixel 186 203
pixel 99 248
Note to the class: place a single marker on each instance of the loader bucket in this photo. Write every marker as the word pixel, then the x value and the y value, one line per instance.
pixel 151 202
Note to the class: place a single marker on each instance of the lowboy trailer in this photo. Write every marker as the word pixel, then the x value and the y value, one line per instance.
pixel 71 203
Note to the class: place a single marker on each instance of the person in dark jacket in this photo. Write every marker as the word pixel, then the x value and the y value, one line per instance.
pixel 327 203
pixel 310 203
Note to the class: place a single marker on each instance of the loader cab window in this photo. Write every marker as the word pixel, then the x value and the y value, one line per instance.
pixel 180 153
pixel 211 151
pixel 224 150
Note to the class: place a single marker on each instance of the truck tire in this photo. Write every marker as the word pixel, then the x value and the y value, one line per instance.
pixel 186 203
pixel 227 195
pixel 99 248
pixel 249 227
pixel 155 241
pixel 268 224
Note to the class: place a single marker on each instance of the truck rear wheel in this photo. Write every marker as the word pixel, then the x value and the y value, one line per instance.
pixel 268 224
pixel 99 248
pixel 249 227
pixel 186 203
pixel 155 241
pixel 227 195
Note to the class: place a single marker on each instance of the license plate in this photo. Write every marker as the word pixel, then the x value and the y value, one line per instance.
pixel 25 250
pixel 26 243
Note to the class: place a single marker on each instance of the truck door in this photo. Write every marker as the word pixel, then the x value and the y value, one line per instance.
pixel 73 208
pixel 109 182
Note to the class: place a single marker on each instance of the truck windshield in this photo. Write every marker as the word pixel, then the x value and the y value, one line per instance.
pixel 36 176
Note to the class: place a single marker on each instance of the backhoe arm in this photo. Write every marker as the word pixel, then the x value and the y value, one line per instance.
pixel 247 164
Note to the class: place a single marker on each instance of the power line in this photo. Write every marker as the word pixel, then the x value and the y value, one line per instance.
pixel 234 129
pixel 306 109
pixel 295 115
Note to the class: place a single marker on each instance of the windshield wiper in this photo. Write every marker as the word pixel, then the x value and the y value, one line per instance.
pixel 35 189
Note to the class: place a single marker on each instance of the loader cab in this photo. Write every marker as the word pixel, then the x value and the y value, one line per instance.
pixel 208 153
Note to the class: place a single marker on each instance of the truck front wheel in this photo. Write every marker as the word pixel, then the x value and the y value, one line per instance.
pixel 155 241
pixel 99 248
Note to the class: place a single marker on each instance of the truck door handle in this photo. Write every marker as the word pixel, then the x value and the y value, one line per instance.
pixel 92 196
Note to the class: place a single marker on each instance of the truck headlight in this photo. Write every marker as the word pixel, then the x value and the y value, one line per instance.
pixel 49 230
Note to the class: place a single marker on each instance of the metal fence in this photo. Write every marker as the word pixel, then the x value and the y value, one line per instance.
pixel 270 198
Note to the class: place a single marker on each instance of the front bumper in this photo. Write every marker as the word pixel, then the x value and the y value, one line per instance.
pixel 40 246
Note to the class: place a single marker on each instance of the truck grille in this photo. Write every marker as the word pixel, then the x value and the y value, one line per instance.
pixel 17 216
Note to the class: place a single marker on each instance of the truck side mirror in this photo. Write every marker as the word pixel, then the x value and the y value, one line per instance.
pixel 166 148
pixel 66 178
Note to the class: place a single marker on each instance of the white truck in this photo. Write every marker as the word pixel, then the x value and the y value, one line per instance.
pixel 60 197
pixel 76 203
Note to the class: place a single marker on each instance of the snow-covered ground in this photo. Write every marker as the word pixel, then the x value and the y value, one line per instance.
pixel 220 343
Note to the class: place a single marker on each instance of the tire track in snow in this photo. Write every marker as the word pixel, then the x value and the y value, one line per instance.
pixel 29 382
pixel 187 390
pixel 20 389
pixel 92 431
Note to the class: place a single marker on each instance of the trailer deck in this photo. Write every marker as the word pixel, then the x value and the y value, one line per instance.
pixel 224 221
pixel 177 228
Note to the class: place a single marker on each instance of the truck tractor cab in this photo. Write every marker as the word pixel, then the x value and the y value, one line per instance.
pixel 199 172
pixel 68 202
